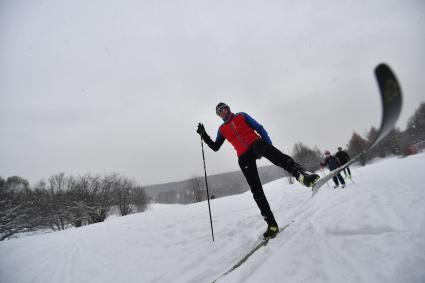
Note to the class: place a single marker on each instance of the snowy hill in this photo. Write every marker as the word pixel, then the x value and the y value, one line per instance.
pixel 372 231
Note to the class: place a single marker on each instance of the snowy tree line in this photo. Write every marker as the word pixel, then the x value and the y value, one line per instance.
pixel 396 143
pixel 65 201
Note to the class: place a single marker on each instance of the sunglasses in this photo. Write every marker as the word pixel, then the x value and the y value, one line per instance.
pixel 221 109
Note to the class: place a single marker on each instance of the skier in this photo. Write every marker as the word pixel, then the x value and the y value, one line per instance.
pixel 252 142
pixel 332 162
pixel 343 158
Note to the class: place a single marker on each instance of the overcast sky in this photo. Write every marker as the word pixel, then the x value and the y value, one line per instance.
pixel 119 86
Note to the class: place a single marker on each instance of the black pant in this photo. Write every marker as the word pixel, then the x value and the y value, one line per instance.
pixel 338 177
pixel 348 169
pixel 248 165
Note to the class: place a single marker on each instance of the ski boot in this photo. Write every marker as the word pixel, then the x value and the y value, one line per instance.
pixel 271 231
pixel 307 179
pixel 336 186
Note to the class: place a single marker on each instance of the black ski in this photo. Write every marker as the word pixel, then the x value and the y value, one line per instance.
pixel 391 107
pixel 262 243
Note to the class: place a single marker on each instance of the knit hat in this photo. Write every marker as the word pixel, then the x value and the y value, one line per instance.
pixel 220 106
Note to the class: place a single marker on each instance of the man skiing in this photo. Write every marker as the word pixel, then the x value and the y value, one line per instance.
pixel 332 162
pixel 252 142
pixel 343 158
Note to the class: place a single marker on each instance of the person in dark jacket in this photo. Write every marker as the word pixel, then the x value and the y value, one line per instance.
pixel 332 162
pixel 343 158
pixel 251 142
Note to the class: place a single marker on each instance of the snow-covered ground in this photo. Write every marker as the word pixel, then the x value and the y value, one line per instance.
pixel 371 231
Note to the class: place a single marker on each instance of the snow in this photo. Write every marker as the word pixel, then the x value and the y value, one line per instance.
pixel 371 231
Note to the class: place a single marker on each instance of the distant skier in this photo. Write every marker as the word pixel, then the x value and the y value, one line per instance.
pixel 332 162
pixel 252 142
pixel 343 158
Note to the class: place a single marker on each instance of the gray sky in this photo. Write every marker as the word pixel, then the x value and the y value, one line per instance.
pixel 119 86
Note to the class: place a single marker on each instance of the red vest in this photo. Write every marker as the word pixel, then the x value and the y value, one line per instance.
pixel 239 134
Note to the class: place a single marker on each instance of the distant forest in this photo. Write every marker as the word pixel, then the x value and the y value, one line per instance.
pixel 67 201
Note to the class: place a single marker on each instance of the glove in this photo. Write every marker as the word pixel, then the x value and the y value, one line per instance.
pixel 201 130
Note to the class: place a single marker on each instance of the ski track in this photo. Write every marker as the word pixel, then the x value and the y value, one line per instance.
pixel 332 243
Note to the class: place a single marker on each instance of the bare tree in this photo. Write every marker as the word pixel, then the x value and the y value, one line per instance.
pixel 307 157
pixel 196 186
pixel 139 198
pixel 16 213
pixel 356 146
pixel 122 189
pixel 56 201
pixel 100 197
pixel 78 196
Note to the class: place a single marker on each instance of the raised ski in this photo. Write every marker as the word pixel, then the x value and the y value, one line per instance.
pixel 391 97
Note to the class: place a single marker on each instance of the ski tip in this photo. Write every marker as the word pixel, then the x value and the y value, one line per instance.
pixel 389 87
pixel 383 71
pixel 384 74
pixel 383 67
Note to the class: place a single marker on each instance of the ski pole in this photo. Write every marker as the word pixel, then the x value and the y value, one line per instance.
pixel 206 186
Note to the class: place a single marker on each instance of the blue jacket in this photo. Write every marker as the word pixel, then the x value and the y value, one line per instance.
pixel 332 162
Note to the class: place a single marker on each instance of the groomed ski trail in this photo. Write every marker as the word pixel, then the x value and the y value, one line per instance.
pixel 336 245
